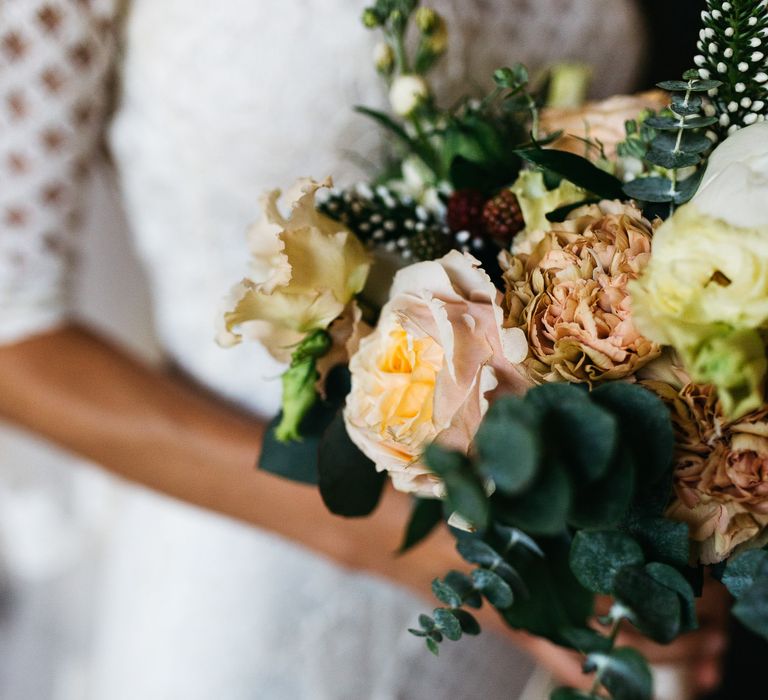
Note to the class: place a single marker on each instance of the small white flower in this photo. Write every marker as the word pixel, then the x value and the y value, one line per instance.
pixel 407 93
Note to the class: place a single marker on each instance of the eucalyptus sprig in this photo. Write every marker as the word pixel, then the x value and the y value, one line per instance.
pixel 732 49
pixel 679 146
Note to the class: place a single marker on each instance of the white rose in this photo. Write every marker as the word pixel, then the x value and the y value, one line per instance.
pixel 407 93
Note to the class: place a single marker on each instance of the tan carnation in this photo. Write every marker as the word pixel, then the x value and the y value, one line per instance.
pixel 570 296
pixel 721 471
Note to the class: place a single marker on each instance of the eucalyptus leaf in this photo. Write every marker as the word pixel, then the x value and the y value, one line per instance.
pixel 690 142
pixel 597 557
pixel 446 594
pixel 468 622
pixel 743 570
pixel 624 673
pixel 656 609
pixel 447 623
pixel 662 539
pixel 465 587
pixel 692 85
pixel 672 160
pixel 675 581
pixel 496 590
pixel 650 189
pixel 751 609
pixel 570 694
pixel 433 646
pixel 688 187
pixel 586 640
pixel 508 445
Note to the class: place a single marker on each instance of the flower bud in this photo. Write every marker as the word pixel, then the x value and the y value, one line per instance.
pixel 427 20
pixel 371 18
pixel 407 93
pixel 384 58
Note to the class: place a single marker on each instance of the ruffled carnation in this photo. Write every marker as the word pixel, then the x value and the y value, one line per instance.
pixel 570 296
pixel 721 471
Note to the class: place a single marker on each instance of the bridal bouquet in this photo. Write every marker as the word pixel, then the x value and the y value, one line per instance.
pixel 548 323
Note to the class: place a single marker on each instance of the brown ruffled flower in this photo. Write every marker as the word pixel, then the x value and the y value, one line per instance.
pixel 570 296
pixel 721 472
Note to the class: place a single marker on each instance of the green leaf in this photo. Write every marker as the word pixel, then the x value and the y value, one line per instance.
pixel 556 600
pixel 468 622
pixel 675 123
pixel 348 480
pixel 475 551
pixel 388 123
pixel 587 435
pixel 693 85
pixel 465 587
pixel 508 445
pixel 296 461
pixel 464 492
pixel 511 77
pixel 561 213
pixel 686 105
pixel 661 539
pixel 427 623
pixel 604 504
pixel 675 581
pixel 656 609
pixel 586 640
pixel 447 623
pixel 624 673
pixel 650 189
pixel 433 646
pixel 691 142
pixel 645 426
pixel 671 160
pixel 687 188
pixel 494 588
pixel 576 169
pixel 596 558
pixel 446 594
pixel 751 609
pixel 513 536
pixel 544 509
pixel 427 513
pixel 743 570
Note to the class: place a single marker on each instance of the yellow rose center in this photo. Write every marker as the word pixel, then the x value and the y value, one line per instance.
pixel 411 366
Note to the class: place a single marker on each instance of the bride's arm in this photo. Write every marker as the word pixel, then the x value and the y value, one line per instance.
pixel 88 396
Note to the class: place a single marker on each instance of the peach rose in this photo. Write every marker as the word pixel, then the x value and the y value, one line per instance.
pixel 570 296
pixel 426 373
pixel 599 121
pixel 721 471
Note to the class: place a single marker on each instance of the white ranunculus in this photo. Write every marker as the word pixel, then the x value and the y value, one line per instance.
pixel 736 180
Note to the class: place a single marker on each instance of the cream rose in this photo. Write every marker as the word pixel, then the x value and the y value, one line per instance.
pixel 305 269
pixel 428 369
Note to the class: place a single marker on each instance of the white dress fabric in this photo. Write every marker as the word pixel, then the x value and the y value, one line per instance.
pixel 220 100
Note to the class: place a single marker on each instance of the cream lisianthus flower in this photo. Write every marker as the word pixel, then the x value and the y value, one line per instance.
pixel 705 291
pixel 305 270
pixel 428 369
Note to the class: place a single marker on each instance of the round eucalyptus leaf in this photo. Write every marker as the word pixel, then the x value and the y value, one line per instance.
pixel 596 557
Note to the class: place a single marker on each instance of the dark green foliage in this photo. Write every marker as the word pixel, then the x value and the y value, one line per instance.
pixel 575 169
pixel 596 557
pixel 746 577
pixel 348 480
pixel 623 672
pixel 426 514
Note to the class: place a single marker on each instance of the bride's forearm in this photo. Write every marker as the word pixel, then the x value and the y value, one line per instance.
pixel 84 394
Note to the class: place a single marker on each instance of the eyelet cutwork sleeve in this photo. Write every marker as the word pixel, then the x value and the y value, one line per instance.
pixel 55 61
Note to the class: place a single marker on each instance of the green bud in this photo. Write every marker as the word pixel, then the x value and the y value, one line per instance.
pixel 371 18
pixel 734 362
pixel 299 384
pixel 427 20
pixel 384 58
pixel 299 395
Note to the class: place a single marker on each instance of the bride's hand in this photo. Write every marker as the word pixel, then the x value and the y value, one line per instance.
pixel 698 653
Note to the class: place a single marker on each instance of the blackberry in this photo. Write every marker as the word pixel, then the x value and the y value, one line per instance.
pixel 503 218
pixel 465 212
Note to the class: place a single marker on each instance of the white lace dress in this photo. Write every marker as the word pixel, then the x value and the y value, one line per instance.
pixel 220 100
